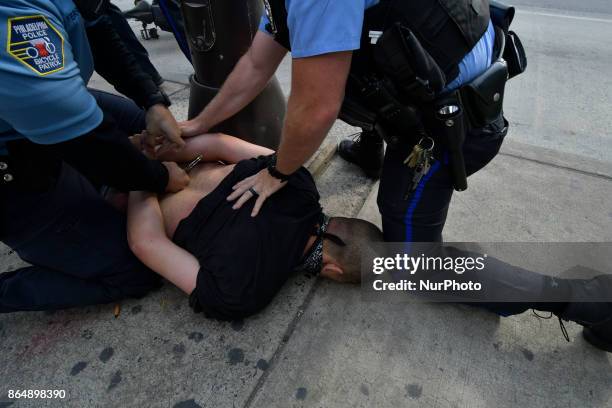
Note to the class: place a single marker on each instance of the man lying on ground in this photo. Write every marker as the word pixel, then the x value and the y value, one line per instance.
pixel 230 263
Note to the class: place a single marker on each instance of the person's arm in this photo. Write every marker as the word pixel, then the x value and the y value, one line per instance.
pixel 128 170
pixel 149 242
pixel 215 147
pixel 115 63
pixel 317 90
pixel 54 109
pixel 250 76
pixel 108 158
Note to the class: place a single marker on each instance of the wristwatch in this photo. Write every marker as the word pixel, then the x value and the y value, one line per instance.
pixel 274 172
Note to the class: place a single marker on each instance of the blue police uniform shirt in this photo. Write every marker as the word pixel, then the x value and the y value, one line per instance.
pixel 477 61
pixel 319 27
pixel 45 65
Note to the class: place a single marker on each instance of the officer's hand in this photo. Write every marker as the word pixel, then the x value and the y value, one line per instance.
pixel 262 183
pixel 140 141
pixel 162 125
pixel 178 179
pixel 193 127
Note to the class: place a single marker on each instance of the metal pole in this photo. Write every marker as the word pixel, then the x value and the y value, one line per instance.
pixel 219 32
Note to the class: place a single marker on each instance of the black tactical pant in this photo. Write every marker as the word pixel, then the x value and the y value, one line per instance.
pixel 131 42
pixel 419 216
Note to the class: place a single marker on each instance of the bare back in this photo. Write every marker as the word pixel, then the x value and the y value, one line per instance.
pixel 204 179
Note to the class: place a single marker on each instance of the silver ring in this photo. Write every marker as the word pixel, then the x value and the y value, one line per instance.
pixel 255 193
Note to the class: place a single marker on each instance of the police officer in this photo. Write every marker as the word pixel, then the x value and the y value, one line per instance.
pixel 326 40
pixel 56 140
pixel 322 37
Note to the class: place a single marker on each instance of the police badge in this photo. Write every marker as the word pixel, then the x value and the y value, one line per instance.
pixel 36 43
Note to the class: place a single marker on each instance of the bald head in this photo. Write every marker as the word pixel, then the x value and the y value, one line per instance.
pixel 343 263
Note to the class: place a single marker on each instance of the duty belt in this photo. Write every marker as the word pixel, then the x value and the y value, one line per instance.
pixel 403 99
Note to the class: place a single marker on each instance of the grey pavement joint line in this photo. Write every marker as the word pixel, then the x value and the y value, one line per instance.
pixel 284 341
pixel 185 84
pixel 321 161
pixel 184 87
pixel 558 166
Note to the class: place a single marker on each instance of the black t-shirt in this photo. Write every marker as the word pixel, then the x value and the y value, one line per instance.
pixel 244 261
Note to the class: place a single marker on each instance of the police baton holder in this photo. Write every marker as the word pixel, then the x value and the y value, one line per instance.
pixel 449 114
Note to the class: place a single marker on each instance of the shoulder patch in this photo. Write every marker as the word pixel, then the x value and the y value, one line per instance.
pixel 36 43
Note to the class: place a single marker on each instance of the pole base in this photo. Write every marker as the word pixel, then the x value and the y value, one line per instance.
pixel 260 122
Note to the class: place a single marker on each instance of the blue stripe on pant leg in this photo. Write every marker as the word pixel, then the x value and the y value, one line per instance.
pixel 416 198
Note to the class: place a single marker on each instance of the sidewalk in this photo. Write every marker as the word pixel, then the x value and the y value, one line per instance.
pixel 348 353
pixel 318 344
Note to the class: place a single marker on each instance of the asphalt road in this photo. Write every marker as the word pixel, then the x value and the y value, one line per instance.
pixel 571 6
pixel 562 102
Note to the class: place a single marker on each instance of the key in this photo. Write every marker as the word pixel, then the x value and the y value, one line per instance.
pixel 415 156
pixel 426 167
pixel 420 170
pixel 416 179
pixel 427 160
pixel 418 175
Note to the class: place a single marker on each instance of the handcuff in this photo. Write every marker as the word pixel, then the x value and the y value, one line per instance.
pixel 189 166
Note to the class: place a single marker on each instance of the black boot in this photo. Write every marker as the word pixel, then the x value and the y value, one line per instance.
pixel 366 151
pixel 591 307
pixel 599 336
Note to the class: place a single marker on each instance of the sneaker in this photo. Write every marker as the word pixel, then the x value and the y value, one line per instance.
pixel 366 150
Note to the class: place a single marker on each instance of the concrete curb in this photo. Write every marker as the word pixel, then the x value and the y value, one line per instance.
pixel 319 162
pixel 559 159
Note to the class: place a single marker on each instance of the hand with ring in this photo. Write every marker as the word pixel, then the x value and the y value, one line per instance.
pixel 261 185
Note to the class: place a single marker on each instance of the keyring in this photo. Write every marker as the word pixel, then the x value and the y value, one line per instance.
pixel 433 143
